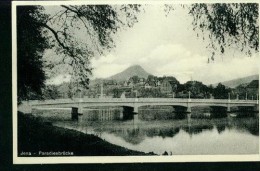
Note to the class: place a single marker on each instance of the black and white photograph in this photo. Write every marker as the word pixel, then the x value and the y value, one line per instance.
pixel 141 81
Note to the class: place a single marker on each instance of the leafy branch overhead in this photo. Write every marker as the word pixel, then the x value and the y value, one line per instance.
pixel 100 22
pixel 39 32
pixel 228 25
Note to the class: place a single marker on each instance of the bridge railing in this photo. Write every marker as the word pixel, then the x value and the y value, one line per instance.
pixel 133 100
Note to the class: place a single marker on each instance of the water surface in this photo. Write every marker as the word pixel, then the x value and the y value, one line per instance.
pixel 186 136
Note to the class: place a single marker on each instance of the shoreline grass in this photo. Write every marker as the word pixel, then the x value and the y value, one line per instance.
pixel 37 137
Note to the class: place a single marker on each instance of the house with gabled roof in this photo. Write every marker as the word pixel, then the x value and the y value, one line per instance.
pixel 149 84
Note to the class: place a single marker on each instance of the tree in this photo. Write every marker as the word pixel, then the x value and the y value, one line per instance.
pixel 135 79
pixel 70 91
pixel 172 79
pixel 142 92
pixel 197 89
pixel 116 93
pixel 31 44
pixel 225 25
pixel 38 31
pixel 221 92
pixel 151 78
pixel 51 92
pixel 228 24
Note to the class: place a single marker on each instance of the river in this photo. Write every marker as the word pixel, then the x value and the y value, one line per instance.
pixel 158 132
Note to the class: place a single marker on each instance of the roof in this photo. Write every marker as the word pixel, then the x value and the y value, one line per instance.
pixel 151 83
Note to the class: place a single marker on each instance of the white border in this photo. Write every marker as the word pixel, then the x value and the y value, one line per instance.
pixel 101 159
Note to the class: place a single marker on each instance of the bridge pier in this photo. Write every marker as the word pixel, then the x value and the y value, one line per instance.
pixel 128 112
pixel 228 109
pixel 121 114
pixel 188 108
pixel 75 112
pixel 228 104
pixel 135 109
pixel 136 118
pixel 256 108
pixel 189 117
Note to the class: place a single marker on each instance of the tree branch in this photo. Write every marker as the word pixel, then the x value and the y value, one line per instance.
pixel 79 14
pixel 59 41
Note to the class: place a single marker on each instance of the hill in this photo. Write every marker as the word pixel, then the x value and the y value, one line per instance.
pixel 129 72
pixel 234 83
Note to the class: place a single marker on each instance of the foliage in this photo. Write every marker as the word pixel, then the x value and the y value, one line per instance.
pixel 135 79
pixel 38 31
pixel 70 91
pixel 116 93
pixel 99 22
pixel 197 90
pixel 51 92
pixel 221 92
pixel 228 24
pixel 248 91
pixel 150 93
pixel 31 44
pixel 151 78
pixel 171 79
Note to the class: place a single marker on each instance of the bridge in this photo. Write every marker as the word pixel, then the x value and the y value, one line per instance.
pixel 134 103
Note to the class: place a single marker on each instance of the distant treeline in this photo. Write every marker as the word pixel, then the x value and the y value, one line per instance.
pixel 150 87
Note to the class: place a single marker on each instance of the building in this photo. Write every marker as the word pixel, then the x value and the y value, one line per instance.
pixel 158 83
pixel 130 84
pixel 141 81
pixel 149 84
pixel 125 84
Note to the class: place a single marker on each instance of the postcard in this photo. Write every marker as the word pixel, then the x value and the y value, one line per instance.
pixel 135 81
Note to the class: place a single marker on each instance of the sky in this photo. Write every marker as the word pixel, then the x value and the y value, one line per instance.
pixel 169 46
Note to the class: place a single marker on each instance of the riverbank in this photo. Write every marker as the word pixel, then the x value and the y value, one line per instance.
pixel 37 137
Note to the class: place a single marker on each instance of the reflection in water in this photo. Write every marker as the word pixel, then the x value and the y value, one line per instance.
pixel 196 129
pixel 220 128
pixel 101 114
pixel 227 135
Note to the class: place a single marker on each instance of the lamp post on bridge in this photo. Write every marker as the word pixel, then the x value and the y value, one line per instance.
pixel 189 97
pixel 237 97
pixel 81 95
pixel 246 96
pixel 101 90
pixel 228 104
pixel 135 94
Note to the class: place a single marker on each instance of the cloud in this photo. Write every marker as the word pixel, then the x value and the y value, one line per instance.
pixel 177 60
pixel 107 66
pixel 228 69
